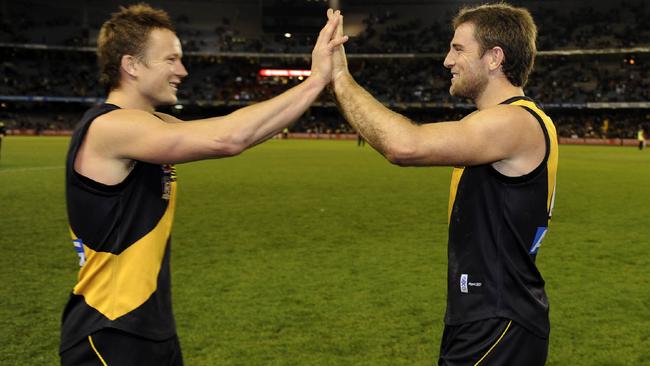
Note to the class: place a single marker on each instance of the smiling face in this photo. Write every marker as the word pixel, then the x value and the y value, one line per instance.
pixel 465 61
pixel 160 71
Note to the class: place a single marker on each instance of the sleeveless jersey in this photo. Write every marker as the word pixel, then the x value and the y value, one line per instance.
pixel 121 234
pixel 496 226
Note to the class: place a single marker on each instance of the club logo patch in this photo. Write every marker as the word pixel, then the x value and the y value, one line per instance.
pixel 169 176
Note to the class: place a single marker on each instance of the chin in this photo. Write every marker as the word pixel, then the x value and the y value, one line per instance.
pixel 167 101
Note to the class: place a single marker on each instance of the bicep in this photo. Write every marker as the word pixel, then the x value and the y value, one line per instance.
pixel 477 139
pixel 152 140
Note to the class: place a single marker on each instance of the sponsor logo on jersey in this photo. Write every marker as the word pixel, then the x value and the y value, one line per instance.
pixel 539 236
pixel 79 248
pixel 465 283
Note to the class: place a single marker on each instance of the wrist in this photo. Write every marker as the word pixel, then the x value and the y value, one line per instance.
pixel 318 80
pixel 340 79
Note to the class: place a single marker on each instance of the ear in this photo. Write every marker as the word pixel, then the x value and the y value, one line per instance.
pixel 496 58
pixel 128 64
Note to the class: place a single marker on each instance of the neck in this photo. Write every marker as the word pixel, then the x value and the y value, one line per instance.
pixel 496 92
pixel 125 99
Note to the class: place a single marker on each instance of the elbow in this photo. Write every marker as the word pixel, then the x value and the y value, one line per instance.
pixel 400 154
pixel 232 150
pixel 227 146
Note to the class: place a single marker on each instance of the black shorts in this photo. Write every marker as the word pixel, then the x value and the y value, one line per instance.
pixel 493 342
pixel 112 347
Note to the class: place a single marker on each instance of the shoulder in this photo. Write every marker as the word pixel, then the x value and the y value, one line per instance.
pixel 502 114
pixel 167 118
pixel 125 114
pixel 125 119
pixel 507 121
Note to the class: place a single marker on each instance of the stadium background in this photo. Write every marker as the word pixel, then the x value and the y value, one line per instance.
pixel 316 252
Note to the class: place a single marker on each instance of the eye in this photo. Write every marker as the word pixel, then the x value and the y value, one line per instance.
pixel 456 49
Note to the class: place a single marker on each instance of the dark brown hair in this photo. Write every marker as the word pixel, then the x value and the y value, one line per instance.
pixel 126 33
pixel 508 27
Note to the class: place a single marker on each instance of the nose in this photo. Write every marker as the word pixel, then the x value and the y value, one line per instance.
pixel 449 61
pixel 180 71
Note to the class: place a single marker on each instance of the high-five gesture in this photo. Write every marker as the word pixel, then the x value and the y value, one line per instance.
pixel 339 59
pixel 327 45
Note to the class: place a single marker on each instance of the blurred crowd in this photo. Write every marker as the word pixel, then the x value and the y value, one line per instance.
pixel 555 79
pixel 417 85
pixel 619 24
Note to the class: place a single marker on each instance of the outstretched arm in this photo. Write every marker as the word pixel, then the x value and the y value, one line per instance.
pixel 138 135
pixel 485 136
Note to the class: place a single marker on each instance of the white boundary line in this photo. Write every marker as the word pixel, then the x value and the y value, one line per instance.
pixel 13 170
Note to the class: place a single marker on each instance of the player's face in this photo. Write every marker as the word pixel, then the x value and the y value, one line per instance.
pixel 468 72
pixel 162 69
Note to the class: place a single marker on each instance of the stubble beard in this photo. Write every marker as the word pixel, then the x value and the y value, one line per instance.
pixel 470 89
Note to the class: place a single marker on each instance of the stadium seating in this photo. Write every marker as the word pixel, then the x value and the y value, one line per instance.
pixel 599 78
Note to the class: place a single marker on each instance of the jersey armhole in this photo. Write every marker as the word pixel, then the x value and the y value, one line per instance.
pixel 106 188
pixel 90 183
pixel 532 174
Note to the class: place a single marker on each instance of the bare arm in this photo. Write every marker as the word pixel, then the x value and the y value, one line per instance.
pixel 138 135
pixel 500 133
pixel 484 136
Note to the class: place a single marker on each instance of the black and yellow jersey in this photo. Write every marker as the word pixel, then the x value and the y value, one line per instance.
pixel 122 235
pixel 496 226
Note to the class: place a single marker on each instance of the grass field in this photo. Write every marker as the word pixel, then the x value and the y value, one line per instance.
pixel 322 253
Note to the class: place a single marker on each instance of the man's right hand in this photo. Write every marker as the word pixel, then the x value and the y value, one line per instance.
pixel 339 59
pixel 326 46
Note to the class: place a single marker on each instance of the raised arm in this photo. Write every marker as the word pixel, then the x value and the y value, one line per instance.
pixel 138 135
pixel 500 133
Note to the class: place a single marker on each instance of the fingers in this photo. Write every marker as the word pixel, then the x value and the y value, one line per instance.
pixel 339 27
pixel 335 42
pixel 338 37
pixel 329 28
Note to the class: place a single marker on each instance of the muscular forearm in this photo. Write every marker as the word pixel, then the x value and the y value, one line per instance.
pixel 384 129
pixel 258 122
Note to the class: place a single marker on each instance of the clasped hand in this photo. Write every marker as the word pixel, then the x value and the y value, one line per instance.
pixel 328 57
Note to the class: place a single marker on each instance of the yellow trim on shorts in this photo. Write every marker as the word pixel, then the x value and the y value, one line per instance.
pixel 495 344
pixel 90 339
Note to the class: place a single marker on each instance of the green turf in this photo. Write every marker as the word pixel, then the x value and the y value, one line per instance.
pixel 322 253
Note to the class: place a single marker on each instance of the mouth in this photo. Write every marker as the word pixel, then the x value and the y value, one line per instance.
pixel 454 75
pixel 174 85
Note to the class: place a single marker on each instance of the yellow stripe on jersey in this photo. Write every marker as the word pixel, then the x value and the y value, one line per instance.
pixel 553 153
pixel 117 284
pixel 453 188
